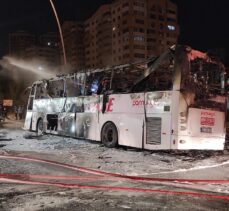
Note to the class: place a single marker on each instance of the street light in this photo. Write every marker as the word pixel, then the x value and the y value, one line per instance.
pixel 60 31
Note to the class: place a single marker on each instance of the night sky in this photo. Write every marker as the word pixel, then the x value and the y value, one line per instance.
pixel 203 23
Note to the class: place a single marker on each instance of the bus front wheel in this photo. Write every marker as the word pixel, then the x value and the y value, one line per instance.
pixel 109 135
pixel 40 127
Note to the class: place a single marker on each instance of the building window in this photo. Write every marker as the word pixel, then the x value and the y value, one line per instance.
pixel 150 48
pixel 171 27
pixel 159 9
pixel 124 22
pixel 171 19
pixel 140 13
pixel 125 4
pixel 139 4
pixel 125 13
pixel 153 8
pixel 161 34
pixel 171 11
pixel 139 38
pixel 161 18
pixel 125 30
pixel 153 16
pixel 139 55
pixel 139 21
pixel 139 30
pixel 126 47
pixel 139 47
pixel 161 26
pixel 150 31
pixel 151 40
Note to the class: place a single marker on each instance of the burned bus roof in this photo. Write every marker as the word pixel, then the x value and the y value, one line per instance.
pixel 140 70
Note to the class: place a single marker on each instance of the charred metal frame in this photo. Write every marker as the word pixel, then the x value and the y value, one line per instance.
pixel 84 94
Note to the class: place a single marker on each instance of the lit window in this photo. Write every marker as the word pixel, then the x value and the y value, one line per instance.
pixel 171 27
pixel 139 38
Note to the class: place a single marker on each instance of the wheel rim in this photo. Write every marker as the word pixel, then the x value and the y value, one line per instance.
pixel 109 135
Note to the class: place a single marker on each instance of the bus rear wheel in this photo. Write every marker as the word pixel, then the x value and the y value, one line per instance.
pixel 109 135
pixel 40 127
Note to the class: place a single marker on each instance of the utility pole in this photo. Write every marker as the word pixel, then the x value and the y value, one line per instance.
pixel 60 31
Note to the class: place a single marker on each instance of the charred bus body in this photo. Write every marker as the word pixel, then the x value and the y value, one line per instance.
pixel 175 101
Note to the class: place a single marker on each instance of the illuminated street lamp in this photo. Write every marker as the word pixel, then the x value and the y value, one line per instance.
pixel 60 31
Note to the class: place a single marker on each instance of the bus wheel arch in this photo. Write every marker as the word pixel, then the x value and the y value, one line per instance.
pixel 109 135
pixel 40 126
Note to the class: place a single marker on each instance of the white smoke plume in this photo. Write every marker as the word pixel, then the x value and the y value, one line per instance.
pixel 16 75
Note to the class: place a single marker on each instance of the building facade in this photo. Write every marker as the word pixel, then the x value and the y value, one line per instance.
pixel 98 38
pixel 26 46
pixel 43 54
pixel 73 34
pixel 124 31
pixel 130 30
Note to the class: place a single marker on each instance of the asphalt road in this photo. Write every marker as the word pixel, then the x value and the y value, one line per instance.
pixel 118 193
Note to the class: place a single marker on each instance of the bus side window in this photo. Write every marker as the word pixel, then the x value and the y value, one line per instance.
pixel 33 90
pixel 76 108
pixel 98 83
pixel 30 104
pixel 160 79
pixel 38 92
pixel 41 91
pixel 72 89
pixel 92 83
pixel 56 88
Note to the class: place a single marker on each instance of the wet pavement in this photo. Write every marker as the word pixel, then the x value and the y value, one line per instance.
pixel 192 165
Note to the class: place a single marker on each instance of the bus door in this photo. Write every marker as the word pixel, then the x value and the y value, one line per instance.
pixel 87 126
pixel 67 119
pixel 29 112
pixel 157 120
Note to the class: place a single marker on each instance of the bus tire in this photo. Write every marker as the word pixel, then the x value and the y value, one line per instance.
pixel 40 127
pixel 109 135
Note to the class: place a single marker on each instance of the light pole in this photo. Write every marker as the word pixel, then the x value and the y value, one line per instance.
pixel 60 31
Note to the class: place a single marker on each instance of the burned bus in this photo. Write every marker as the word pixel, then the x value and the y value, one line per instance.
pixel 174 101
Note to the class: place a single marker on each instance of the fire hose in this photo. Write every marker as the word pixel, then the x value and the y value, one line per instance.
pixel 142 190
pixel 24 179
pixel 103 173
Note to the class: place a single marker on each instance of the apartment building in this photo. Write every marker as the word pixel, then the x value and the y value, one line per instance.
pixel 44 48
pixel 129 30
pixel 73 34
pixel 124 31
pixel 44 54
pixel 98 38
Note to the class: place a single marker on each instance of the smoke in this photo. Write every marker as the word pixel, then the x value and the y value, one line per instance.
pixel 16 75
pixel 38 68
